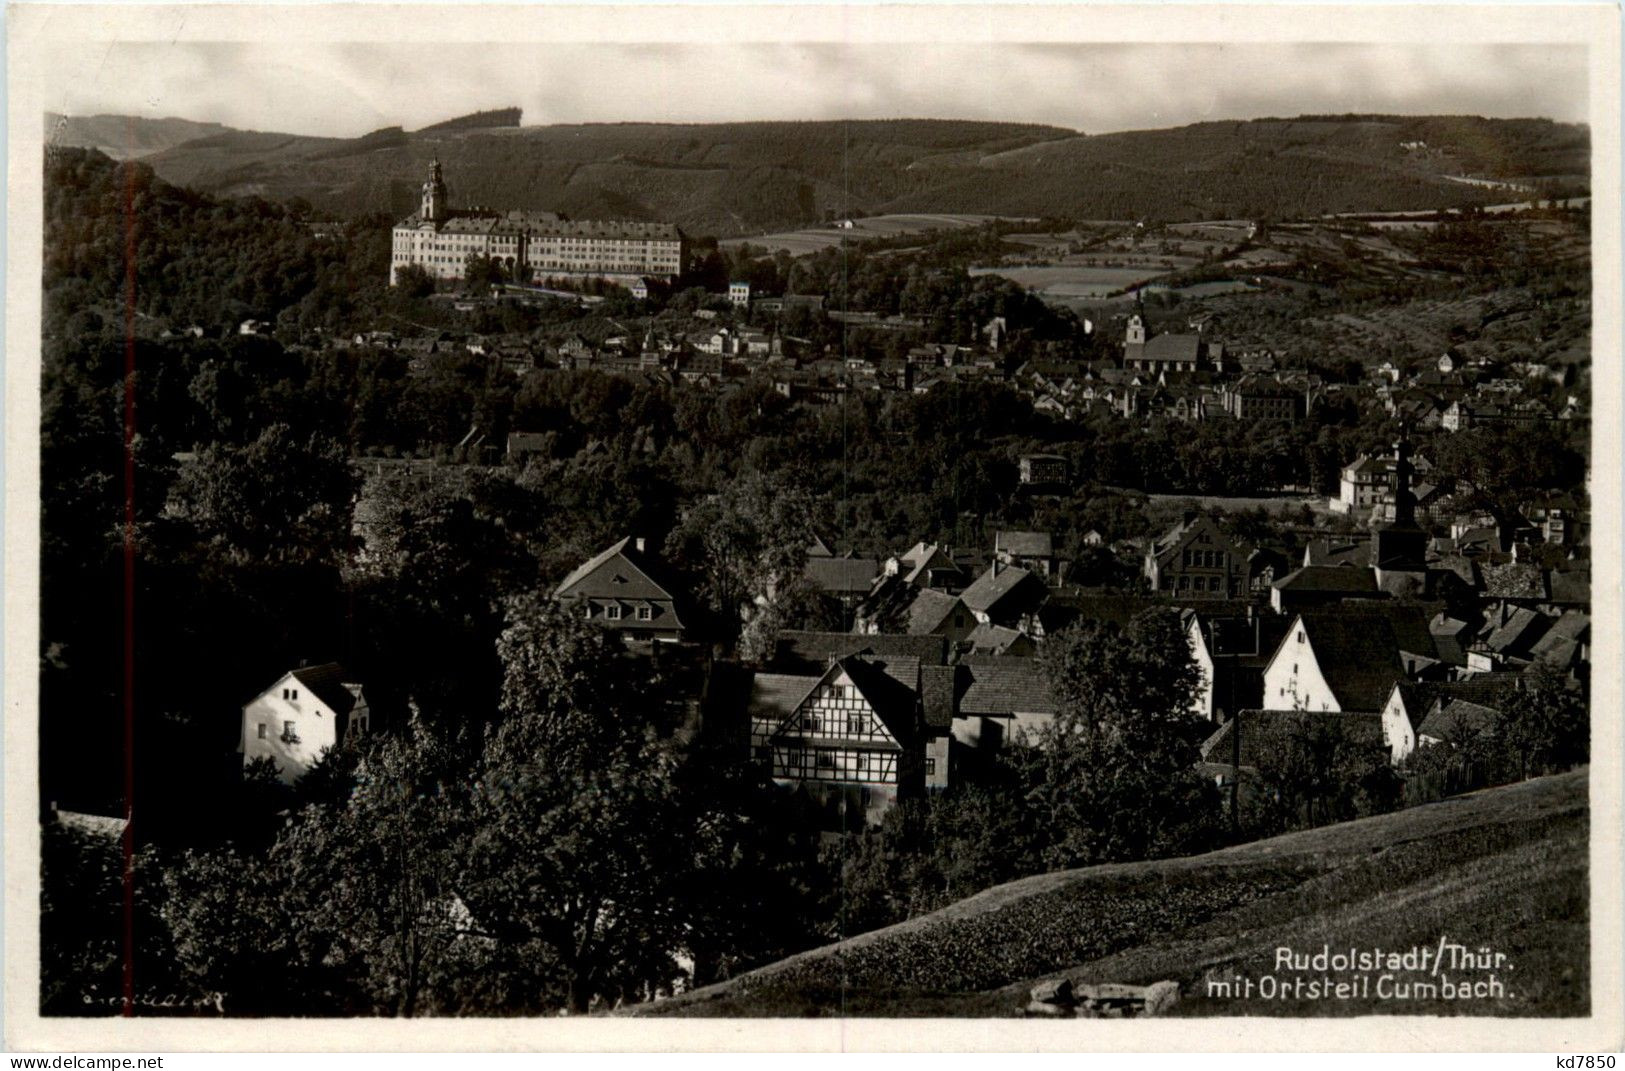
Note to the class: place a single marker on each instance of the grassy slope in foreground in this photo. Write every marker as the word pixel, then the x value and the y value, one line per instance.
pixel 1504 868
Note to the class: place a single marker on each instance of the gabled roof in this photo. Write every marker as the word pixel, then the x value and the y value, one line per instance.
pixel 995 638
pixel 1259 729
pixel 1357 654
pixel 327 683
pixel 1488 689
pixel 815 650
pixel 1457 719
pixel 843 576
pixel 1025 544
pixel 620 571
pixel 894 702
pixel 929 610
pixel 1001 687
pixel 1171 348
pixel 1329 579
pixel 1518 633
pixel 1352 550
pixel 996 584
pixel 1563 642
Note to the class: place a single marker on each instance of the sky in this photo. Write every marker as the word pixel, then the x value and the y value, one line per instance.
pixel 348 89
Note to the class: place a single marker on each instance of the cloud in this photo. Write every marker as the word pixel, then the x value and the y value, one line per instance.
pixel 349 89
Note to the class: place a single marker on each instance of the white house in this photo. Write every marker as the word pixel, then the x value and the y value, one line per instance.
pixel 1338 661
pixel 305 712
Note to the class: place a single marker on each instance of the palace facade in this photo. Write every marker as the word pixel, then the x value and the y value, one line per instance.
pixel 531 246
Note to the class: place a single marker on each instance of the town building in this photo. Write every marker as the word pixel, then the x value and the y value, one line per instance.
pixel 303 714
pixel 1194 558
pixel 624 589
pixel 1034 551
pixel 530 246
pixel 1045 470
pixel 1145 352
pixel 1335 661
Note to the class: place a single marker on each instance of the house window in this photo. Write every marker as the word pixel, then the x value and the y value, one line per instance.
pixel 809 724
pixel 861 761
pixel 646 613
pixel 261 727
pixel 295 694
pixel 284 693
pixel 854 726
pixel 826 760
pixel 288 735
pixel 613 611
pixel 930 766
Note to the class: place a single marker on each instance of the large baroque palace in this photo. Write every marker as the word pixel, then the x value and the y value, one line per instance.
pixel 531 246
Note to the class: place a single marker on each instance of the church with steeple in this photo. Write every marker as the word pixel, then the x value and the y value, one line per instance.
pixel 1399 547
pixel 1158 353
pixel 529 246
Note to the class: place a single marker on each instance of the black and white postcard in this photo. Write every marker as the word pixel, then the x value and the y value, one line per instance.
pixel 554 528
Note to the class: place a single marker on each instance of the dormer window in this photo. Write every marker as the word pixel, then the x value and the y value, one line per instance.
pixel 646 613
pixel 613 611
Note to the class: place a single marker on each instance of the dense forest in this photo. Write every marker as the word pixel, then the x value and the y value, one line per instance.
pixel 746 178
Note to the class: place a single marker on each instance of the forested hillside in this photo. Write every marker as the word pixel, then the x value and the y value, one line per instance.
pixel 123 136
pixel 197 260
pixel 743 178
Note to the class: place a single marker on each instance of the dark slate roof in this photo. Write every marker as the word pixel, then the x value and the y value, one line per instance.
pixel 1518 634
pixel 1409 621
pixel 995 585
pixel 1061 610
pixel 1348 550
pixel 1172 348
pixel 843 576
pixel 1562 642
pixel 893 701
pixel 1488 689
pixel 1358 655
pixel 1456 719
pixel 1571 588
pixel 929 610
pixel 1329 579
pixel 1249 642
pixel 1004 686
pixel 1514 580
pixel 778 694
pixel 327 683
pixel 994 638
pixel 1024 544
pixel 815 650
pixel 620 572
pixel 1258 730
pixel 1450 637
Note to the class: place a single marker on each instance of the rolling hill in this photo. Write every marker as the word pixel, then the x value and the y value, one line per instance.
pixel 123 136
pixel 747 178
pixel 1504 868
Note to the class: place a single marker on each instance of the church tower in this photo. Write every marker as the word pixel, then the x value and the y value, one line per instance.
pixel 1399 547
pixel 434 207
pixel 1136 331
